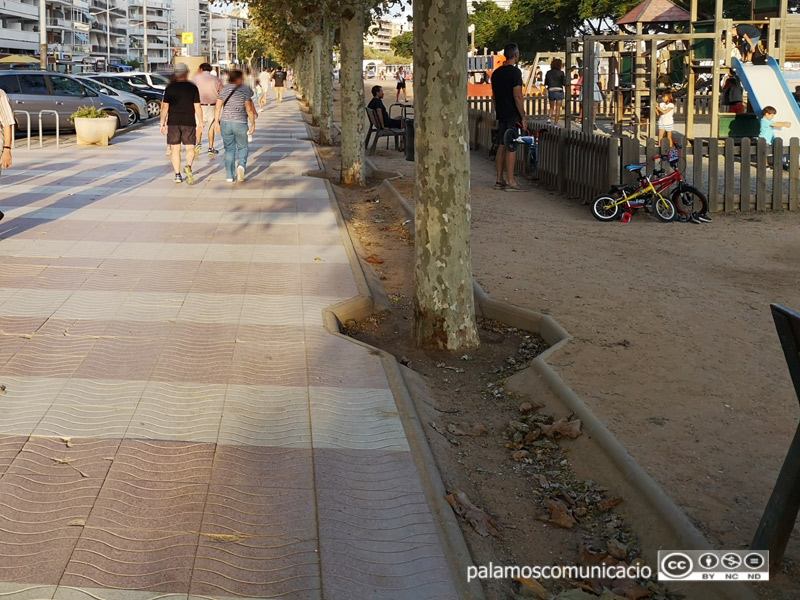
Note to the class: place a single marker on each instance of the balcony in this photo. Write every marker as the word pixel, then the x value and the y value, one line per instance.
pixel 20 10
pixel 18 35
pixel 59 24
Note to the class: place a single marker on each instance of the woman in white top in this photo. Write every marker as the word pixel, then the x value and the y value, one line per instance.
pixel 401 84
pixel 7 122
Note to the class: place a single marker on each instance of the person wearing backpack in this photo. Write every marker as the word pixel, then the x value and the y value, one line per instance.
pixel 234 110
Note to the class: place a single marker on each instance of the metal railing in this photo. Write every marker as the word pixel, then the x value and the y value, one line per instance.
pixel 28 116
pixel 58 127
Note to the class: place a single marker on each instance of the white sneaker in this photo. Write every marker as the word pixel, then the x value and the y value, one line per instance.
pixel 229 180
pixel 240 173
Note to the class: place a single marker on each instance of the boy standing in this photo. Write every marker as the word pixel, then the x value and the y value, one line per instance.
pixel 768 124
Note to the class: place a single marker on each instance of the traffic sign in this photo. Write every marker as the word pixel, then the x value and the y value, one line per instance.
pixel 187 38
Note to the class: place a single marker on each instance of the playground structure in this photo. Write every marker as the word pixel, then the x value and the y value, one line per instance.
pixel 703 54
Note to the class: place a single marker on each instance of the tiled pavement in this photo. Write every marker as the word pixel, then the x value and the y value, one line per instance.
pixel 176 422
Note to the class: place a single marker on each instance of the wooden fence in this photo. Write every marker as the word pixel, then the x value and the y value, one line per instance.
pixel 735 175
pixel 536 106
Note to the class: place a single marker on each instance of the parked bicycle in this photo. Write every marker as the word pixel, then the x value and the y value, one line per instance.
pixel 521 135
pixel 622 201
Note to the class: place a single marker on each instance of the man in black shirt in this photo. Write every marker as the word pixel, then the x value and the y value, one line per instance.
pixel 279 81
pixel 507 92
pixel 182 120
pixel 376 104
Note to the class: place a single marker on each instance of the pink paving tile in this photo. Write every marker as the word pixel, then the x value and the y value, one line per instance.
pixel 221 277
pixel 54 459
pixel 321 279
pixel 47 356
pixel 110 231
pixel 193 355
pixel 132 559
pixel 335 362
pixel 257 567
pixel 248 466
pixel 149 505
pixel 140 461
pixel 274 279
pixel 257 363
pixel 10 447
pixel 35 557
pixel 57 277
pixel 277 234
pixel 315 235
pixel 270 333
pixel 128 358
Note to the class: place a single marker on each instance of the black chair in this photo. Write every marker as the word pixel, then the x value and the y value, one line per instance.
pixel 375 128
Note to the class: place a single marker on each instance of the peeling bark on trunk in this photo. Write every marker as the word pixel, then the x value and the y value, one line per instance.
pixel 317 43
pixel 352 43
pixel 444 306
pixel 326 85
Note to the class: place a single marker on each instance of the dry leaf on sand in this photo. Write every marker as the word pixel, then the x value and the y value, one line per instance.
pixel 480 521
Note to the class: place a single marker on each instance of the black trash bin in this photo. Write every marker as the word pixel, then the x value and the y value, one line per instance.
pixel 409 141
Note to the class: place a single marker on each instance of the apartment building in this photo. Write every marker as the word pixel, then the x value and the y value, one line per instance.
pixel 194 16
pixel 381 33
pixel 19 26
pixel 160 32
pixel 225 30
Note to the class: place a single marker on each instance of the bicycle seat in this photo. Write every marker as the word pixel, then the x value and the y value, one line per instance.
pixel 621 188
pixel 635 167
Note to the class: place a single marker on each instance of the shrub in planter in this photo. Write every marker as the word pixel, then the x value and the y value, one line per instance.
pixel 93 126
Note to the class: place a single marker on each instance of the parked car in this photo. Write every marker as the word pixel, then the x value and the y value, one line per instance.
pixel 136 105
pixel 145 80
pixel 152 96
pixel 35 91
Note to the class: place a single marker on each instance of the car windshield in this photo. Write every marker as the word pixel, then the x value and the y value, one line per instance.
pixel 96 86
pixel 120 84
pixel 159 79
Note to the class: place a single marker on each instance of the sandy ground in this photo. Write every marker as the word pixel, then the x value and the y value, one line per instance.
pixel 674 348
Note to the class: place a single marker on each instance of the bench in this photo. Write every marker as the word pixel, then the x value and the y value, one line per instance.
pixel 375 128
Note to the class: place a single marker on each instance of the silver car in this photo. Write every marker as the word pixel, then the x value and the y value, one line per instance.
pixel 137 107
pixel 44 94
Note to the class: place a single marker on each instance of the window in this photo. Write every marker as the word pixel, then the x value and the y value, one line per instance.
pixel 159 79
pixel 33 84
pixel 66 86
pixel 139 80
pixel 8 83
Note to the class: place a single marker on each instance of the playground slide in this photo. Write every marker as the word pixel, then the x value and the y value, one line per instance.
pixel 766 86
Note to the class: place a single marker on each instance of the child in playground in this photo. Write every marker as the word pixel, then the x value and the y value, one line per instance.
pixel 666 118
pixel 768 125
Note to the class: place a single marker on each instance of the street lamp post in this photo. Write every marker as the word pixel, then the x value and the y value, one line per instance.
pixel 144 30
pixel 43 34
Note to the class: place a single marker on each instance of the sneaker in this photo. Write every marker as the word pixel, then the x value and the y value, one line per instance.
pixel 229 180
pixel 198 149
pixel 240 173
pixel 178 178
pixel 2 215
pixel 212 152
pixel 705 218
pixel 694 219
pixel 189 175
pixel 499 185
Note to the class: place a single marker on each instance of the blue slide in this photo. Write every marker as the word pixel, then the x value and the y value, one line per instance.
pixel 766 86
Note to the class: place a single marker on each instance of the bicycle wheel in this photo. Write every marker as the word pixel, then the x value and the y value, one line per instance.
pixel 664 209
pixel 689 200
pixel 533 158
pixel 605 207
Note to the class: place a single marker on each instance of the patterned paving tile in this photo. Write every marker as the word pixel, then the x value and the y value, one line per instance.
pixel 54 459
pixel 168 410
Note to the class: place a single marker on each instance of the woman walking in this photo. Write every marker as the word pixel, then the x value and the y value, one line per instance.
pixel 556 83
pixel 234 110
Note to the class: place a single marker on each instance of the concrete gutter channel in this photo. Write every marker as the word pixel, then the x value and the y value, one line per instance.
pixel 658 522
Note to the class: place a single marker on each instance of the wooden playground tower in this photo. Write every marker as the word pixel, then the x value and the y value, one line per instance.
pixel 708 41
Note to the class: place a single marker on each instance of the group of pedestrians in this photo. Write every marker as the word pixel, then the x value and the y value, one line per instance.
pixel 275 79
pixel 205 104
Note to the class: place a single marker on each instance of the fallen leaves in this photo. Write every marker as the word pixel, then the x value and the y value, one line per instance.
pixel 482 523
pixel 560 516
pixel 467 429
pixel 374 260
pixel 562 428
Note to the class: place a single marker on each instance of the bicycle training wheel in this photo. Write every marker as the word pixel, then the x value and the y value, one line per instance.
pixel 605 207
pixel 508 140
pixel 689 200
pixel 664 209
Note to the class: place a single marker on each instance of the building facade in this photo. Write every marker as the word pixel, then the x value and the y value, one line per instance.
pixel 194 16
pixel 159 32
pixel 225 30
pixel 381 33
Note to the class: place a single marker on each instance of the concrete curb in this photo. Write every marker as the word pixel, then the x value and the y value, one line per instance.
pixel 669 527
pixel 455 548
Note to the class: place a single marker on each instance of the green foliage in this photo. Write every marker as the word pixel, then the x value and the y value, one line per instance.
pixel 88 112
pixel 253 44
pixel 403 44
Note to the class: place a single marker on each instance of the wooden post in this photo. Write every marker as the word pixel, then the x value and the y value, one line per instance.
pixel 715 72
pixel 780 515
pixel 744 194
pixel 652 129
pixel 761 174
pixel 777 174
pixel 794 173
pixel 568 93
pixel 713 174
pixel 729 189
pixel 589 84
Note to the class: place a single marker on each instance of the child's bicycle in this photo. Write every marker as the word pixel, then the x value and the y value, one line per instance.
pixel 520 135
pixel 623 200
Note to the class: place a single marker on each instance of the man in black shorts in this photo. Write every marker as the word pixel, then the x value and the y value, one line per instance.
pixel 182 120
pixel 507 92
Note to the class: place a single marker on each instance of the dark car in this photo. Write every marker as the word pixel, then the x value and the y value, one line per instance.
pixel 152 96
pixel 35 91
